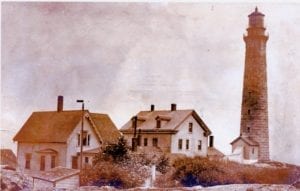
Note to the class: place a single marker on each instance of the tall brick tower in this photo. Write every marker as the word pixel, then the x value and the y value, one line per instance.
pixel 254 113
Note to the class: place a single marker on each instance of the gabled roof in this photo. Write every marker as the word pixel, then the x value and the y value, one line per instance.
pixel 247 140
pixel 56 127
pixel 173 120
pixel 106 128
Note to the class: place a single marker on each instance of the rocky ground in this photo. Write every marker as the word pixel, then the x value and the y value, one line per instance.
pixel 14 181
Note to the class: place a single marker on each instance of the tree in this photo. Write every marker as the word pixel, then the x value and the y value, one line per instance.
pixel 116 151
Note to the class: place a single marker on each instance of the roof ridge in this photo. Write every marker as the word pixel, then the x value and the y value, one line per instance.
pixel 60 111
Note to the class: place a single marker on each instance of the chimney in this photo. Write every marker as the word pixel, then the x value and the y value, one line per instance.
pixel 134 125
pixel 134 139
pixel 152 107
pixel 211 141
pixel 60 103
pixel 173 107
pixel 158 122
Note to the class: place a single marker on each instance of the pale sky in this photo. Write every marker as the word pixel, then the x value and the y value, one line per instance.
pixel 122 57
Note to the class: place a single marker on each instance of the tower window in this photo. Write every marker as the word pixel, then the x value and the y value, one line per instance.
pixel 145 142
pixel 249 111
pixel 248 129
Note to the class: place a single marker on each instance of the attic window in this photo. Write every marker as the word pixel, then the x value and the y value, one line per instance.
pixel 190 127
pixel 86 138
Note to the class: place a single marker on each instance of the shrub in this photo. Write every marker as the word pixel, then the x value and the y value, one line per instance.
pixel 116 152
pixel 110 174
pixel 201 171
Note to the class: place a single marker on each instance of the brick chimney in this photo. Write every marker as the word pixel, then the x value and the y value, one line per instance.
pixel 211 141
pixel 134 140
pixel 173 107
pixel 152 107
pixel 60 103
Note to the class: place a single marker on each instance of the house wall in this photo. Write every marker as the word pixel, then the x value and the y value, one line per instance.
pixel 193 137
pixel 73 148
pixel 68 183
pixel 32 148
pixel 39 184
pixel 247 154
pixel 164 141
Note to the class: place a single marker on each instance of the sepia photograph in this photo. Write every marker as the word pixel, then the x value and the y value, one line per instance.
pixel 150 95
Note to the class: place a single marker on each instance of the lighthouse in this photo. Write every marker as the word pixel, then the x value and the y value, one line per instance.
pixel 254 132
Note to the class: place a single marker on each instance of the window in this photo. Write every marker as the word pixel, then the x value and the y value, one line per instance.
pixel 86 160
pixel 199 145
pixel 187 144
pixel 249 111
pixel 139 140
pixel 53 158
pixel 154 142
pixel 42 164
pixel 74 162
pixel 180 144
pixel 27 160
pixel 253 150
pixel 86 138
pixel 145 142
pixel 78 139
pixel 190 127
pixel 248 129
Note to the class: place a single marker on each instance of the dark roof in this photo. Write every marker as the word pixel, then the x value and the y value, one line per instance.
pixel 7 157
pixel 147 121
pixel 247 140
pixel 56 127
pixel 256 13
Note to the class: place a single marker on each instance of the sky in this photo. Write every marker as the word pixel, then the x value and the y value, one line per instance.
pixel 122 57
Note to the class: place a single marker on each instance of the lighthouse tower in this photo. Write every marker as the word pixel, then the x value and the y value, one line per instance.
pixel 254 131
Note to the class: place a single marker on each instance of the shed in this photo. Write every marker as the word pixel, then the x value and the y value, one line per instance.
pixel 57 178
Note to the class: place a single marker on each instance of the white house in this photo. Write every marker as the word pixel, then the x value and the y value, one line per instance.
pixel 168 131
pixel 52 138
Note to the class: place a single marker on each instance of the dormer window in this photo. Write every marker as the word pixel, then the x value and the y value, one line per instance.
pixel 190 127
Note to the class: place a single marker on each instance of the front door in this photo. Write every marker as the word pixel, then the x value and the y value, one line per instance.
pixel 74 162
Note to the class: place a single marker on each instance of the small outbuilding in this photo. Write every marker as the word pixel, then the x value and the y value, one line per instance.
pixel 8 159
pixel 57 178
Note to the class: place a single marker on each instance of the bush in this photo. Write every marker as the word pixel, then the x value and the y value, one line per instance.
pixel 110 174
pixel 116 152
pixel 205 172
